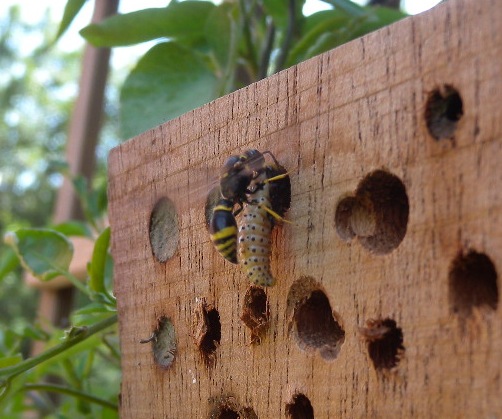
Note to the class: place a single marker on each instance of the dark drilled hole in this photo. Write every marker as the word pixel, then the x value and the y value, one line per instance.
pixel 208 332
pixel 385 342
pixel 279 190
pixel 256 313
pixel 443 110
pixel 472 283
pixel 300 408
pixel 163 342
pixel 377 214
pixel 316 326
pixel 228 414
pixel 164 230
pixel 228 408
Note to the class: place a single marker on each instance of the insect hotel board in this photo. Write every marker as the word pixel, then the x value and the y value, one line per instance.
pixel 387 275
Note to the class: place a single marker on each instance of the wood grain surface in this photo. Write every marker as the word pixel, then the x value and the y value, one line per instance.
pixel 388 279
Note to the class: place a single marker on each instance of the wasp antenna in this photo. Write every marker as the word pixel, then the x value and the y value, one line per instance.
pixel 271 155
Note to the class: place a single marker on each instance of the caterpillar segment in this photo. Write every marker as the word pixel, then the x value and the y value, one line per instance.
pixel 255 228
pixel 223 230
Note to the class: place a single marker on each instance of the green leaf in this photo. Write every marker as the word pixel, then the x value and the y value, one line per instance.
pixel 330 28
pixel 318 28
pixel 35 333
pixel 8 261
pixel 70 12
pixel 8 361
pixel 348 7
pixel 90 314
pixel 377 18
pixel 72 228
pixel 279 10
pixel 167 82
pixel 183 21
pixel 219 32
pixel 43 252
pixel 9 342
pixel 98 262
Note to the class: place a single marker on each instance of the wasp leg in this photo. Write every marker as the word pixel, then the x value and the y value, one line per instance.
pixel 238 210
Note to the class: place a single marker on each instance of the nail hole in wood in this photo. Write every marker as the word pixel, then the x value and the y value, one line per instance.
pixel 207 332
pixel 300 408
pixel 163 342
pixel 377 213
pixel 164 230
pixel 472 283
pixel 385 342
pixel 256 313
pixel 443 110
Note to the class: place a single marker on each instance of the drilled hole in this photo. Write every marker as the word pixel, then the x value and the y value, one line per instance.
pixel 227 408
pixel 472 283
pixel 164 230
pixel 163 342
pixel 228 414
pixel 256 313
pixel 385 342
pixel 443 110
pixel 377 214
pixel 279 190
pixel 300 408
pixel 207 332
pixel 315 325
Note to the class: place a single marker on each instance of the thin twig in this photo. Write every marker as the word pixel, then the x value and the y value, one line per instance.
pixel 267 50
pixel 248 37
pixel 284 51
pixel 54 388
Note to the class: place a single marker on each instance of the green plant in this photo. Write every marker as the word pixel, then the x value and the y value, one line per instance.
pixel 90 344
pixel 205 51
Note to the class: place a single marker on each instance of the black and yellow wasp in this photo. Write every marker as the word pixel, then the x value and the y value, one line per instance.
pixel 235 177
pixel 263 193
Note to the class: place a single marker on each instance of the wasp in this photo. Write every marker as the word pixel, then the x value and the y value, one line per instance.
pixel 266 204
pixel 236 177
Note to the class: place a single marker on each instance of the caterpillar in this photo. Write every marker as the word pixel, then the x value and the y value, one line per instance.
pixel 257 220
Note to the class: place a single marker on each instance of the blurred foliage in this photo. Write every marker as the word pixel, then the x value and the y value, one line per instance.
pixel 204 51
pixel 37 93
pixel 38 85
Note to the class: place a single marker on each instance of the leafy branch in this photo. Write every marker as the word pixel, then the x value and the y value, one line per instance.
pixel 75 336
pixel 212 45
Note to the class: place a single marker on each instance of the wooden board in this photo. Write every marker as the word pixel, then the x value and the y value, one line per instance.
pixel 388 280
